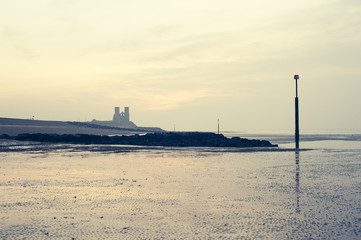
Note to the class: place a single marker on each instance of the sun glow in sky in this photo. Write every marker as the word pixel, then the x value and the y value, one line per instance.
pixel 184 63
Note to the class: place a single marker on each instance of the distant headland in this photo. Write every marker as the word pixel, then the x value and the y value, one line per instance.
pixel 120 125
pixel 120 130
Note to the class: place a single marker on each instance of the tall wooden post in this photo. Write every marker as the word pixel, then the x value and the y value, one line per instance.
pixel 297 127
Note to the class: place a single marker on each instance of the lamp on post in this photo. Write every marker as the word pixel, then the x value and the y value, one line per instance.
pixel 297 129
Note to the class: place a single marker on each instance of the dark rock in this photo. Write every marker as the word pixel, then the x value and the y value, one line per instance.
pixel 5 136
pixel 171 139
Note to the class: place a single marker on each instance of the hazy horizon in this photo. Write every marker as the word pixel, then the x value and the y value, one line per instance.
pixel 183 64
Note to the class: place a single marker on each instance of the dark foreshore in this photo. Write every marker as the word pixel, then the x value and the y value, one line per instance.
pixel 167 139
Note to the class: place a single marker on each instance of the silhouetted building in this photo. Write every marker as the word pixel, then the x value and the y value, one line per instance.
pixel 120 119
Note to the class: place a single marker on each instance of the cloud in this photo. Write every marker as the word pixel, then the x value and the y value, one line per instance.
pixel 161 99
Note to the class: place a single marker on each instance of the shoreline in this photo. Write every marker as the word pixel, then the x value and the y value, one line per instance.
pixel 7 145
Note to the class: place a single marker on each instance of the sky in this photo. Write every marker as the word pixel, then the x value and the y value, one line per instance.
pixel 183 64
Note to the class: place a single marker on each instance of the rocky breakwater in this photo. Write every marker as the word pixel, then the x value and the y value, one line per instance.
pixel 169 139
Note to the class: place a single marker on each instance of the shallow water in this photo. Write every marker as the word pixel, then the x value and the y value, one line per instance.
pixel 164 193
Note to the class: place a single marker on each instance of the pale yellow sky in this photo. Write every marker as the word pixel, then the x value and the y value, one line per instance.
pixel 183 63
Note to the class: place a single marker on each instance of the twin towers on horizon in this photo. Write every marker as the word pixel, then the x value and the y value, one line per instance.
pixel 120 119
pixel 121 116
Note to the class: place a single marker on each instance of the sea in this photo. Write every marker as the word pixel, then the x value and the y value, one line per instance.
pixel 64 191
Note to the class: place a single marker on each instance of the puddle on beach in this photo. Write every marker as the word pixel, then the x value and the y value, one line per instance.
pixel 189 194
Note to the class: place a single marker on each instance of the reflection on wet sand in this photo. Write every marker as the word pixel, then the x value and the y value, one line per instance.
pixel 297 178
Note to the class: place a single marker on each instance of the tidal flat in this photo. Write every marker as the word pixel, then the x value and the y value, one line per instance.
pixel 78 192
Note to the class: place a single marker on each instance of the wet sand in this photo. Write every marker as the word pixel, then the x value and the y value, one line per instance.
pixel 160 193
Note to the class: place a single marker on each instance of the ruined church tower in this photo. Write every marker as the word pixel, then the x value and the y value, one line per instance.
pixel 126 114
pixel 121 117
pixel 116 117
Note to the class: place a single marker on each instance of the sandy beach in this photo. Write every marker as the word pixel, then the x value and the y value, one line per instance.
pixel 162 193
